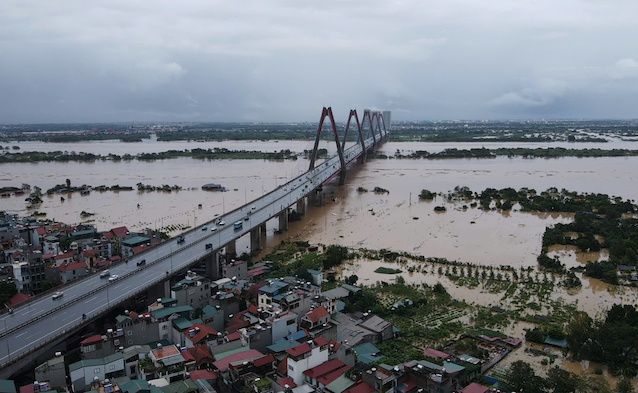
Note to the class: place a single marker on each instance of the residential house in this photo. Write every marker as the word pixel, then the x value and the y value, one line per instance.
pixel 72 271
pixel 129 243
pixel 84 372
pixel 306 356
pixel 52 370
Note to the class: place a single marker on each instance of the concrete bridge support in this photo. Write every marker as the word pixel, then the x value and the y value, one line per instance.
pixel 342 177
pixel 283 220
pixel 319 197
pixel 213 269
pixel 167 288
pixel 301 206
pixel 231 249
pixel 262 233
pixel 255 239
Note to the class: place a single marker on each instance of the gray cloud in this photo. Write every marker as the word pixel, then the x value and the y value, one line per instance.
pixel 73 60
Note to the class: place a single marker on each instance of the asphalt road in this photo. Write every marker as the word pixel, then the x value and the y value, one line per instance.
pixel 44 319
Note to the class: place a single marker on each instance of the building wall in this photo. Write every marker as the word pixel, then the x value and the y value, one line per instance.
pixel 296 368
pixel 54 372
pixel 283 326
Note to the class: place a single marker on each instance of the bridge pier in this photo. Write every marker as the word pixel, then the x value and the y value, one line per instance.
pixel 263 233
pixel 318 196
pixel 255 239
pixel 283 220
pixel 301 206
pixel 213 268
pixel 167 288
pixel 231 249
pixel 342 176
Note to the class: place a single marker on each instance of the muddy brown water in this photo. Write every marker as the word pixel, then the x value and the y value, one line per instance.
pixel 396 221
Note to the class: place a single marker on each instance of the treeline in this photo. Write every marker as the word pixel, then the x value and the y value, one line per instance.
pixel 210 154
pixel 521 377
pixel 550 152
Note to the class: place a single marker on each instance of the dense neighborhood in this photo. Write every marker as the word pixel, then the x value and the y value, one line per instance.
pixel 240 333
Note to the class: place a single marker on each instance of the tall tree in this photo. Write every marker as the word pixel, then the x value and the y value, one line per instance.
pixel 521 377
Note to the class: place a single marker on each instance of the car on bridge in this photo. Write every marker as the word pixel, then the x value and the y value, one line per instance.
pixel 221 222
pixel 238 224
pixel 204 228
pixel 113 278
pixel 209 245
pixel 105 274
pixel 213 229
pixel 142 262
pixel 57 295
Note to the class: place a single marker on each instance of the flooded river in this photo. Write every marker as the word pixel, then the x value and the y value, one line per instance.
pixel 396 220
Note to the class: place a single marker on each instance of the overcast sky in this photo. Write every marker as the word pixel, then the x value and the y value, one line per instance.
pixel 257 60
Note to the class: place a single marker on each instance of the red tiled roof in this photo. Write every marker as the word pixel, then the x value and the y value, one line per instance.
pixel 253 309
pixel 165 352
pixel 282 368
pixel 324 368
pixel 320 341
pixel 64 256
pixel 27 388
pixel 326 379
pixel 262 361
pixel 139 249
pixel 256 271
pixel 233 336
pixel 286 381
pixel 334 346
pixel 361 387
pixel 188 357
pixel 133 314
pixel 115 258
pixel 67 267
pixel 475 388
pixel 316 314
pixel 204 331
pixel 17 253
pixel 17 299
pixel 435 354
pixel 222 364
pixel 101 263
pixel 299 350
pixel 119 231
pixel 92 340
pixel 203 374
pixel 88 253
pixel 40 230
pixel 107 235
pixel 47 256
pixel 201 353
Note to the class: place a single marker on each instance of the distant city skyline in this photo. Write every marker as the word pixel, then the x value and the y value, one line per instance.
pixel 72 61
